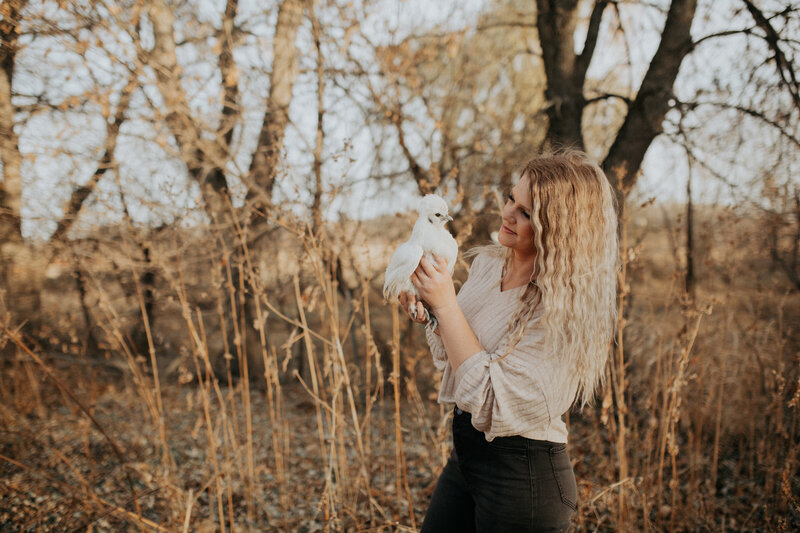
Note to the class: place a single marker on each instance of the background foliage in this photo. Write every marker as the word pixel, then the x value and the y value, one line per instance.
pixel 198 201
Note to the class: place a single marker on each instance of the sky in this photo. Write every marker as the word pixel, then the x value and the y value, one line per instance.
pixel 61 150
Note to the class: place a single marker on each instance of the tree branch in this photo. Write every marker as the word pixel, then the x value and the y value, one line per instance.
pixel 606 96
pixel 421 176
pixel 205 160
pixel 727 33
pixel 506 24
pixel 755 114
pixel 646 115
pixel 79 195
pixel 784 66
pixel 583 60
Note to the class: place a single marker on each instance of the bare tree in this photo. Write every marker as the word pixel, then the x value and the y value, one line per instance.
pixel 782 220
pixel 11 193
pixel 22 266
pixel 204 147
pixel 455 110
pixel 569 91
pixel 19 294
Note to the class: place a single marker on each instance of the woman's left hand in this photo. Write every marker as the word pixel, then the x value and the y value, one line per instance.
pixel 434 284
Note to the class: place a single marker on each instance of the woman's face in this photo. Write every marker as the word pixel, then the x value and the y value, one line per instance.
pixel 516 231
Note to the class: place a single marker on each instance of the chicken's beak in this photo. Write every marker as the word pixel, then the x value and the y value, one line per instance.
pixel 448 218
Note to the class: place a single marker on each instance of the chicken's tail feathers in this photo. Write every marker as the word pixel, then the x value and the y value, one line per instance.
pixel 387 293
pixel 402 264
pixel 393 289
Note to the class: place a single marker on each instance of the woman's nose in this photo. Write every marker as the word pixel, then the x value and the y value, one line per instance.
pixel 507 212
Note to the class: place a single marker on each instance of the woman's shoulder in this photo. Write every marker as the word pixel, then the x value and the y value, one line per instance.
pixel 486 258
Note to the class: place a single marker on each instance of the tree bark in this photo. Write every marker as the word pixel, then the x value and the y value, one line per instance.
pixel 11 187
pixel 782 64
pixel 20 267
pixel 566 72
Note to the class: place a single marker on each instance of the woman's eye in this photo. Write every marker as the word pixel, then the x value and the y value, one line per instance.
pixel 510 198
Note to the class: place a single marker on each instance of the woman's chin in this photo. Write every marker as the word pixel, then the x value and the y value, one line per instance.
pixel 505 239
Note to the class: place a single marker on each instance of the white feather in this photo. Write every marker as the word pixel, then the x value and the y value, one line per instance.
pixel 429 238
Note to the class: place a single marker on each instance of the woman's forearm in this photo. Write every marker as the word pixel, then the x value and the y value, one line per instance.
pixel 457 337
pixel 435 286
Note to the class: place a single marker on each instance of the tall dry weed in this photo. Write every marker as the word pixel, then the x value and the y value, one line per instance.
pixel 275 391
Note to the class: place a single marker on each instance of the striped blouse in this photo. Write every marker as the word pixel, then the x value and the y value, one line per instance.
pixel 525 393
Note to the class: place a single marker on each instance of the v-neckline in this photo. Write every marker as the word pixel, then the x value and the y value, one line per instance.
pixel 504 291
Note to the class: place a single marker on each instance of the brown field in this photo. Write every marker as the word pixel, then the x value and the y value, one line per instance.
pixel 315 409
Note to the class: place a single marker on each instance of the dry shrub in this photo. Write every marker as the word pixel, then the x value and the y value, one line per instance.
pixel 269 388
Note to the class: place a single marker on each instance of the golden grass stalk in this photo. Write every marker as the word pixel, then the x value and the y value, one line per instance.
pixel 400 458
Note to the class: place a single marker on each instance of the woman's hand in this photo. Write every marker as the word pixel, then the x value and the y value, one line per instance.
pixel 434 284
pixel 409 301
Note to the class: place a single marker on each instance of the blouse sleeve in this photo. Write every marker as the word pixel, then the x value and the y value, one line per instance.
pixel 505 395
pixel 434 340
pixel 437 349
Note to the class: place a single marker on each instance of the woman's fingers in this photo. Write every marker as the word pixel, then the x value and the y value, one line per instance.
pixel 427 267
pixel 425 273
pixel 411 307
pixel 411 303
pixel 403 299
pixel 420 313
pixel 431 268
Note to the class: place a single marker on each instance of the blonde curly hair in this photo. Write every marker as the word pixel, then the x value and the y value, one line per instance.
pixel 574 220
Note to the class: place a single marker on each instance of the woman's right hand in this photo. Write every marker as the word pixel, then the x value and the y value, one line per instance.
pixel 407 301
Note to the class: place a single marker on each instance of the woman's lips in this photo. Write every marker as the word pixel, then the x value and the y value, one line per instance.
pixel 505 228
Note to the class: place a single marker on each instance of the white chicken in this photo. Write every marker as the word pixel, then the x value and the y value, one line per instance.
pixel 429 238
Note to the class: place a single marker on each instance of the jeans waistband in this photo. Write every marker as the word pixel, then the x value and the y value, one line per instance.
pixel 546 445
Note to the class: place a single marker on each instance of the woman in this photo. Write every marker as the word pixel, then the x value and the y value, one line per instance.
pixel 526 337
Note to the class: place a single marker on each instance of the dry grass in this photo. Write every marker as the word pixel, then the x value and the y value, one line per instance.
pixel 310 407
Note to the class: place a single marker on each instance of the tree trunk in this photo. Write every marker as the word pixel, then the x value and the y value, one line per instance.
pixel 205 159
pixel 21 273
pixel 263 167
pixel 556 20
pixel 11 189
pixel 316 207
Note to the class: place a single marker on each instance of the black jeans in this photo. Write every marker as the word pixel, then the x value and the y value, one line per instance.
pixel 511 484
